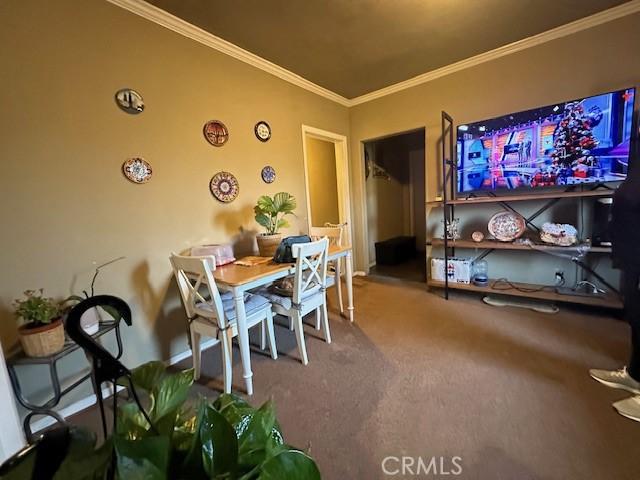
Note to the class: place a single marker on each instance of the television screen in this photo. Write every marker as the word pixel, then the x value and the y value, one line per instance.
pixel 570 143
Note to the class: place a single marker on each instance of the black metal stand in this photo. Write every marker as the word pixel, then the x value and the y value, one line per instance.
pixel 47 408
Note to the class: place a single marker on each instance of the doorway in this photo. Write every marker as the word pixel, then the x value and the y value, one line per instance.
pixel 326 167
pixel 395 205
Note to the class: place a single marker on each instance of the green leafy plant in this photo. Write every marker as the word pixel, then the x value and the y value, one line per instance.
pixel 35 309
pixel 224 439
pixel 270 212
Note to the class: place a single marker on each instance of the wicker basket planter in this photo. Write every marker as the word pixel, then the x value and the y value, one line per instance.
pixel 43 340
pixel 268 244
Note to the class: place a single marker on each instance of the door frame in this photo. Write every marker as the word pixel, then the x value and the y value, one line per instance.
pixel 360 177
pixel 342 176
pixel 11 435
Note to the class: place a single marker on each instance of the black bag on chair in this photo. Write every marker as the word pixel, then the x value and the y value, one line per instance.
pixel 283 253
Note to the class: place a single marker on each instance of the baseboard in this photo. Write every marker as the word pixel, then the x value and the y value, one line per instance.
pixel 72 409
pixel 90 400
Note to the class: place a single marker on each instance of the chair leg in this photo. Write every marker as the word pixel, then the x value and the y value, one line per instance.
pixel 318 318
pixel 271 335
pixel 291 324
pixel 195 352
pixel 339 287
pixel 263 339
pixel 227 358
pixel 325 321
pixel 302 348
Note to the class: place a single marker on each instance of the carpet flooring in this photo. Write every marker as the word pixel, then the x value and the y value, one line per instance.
pixel 507 390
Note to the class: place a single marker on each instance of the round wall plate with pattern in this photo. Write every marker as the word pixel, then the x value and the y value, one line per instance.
pixel 507 226
pixel 137 170
pixel 216 133
pixel 129 101
pixel 268 174
pixel 224 186
pixel 262 131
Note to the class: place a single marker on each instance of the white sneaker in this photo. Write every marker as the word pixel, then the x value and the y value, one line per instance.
pixel 616 379
pixel 629 407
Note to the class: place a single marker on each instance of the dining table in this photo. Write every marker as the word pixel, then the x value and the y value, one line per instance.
pixel 239 279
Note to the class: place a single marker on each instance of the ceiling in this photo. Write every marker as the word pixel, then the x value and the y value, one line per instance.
pixel 353 47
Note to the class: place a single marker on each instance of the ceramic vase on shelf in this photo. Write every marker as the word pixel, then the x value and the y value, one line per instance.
pixel 268 244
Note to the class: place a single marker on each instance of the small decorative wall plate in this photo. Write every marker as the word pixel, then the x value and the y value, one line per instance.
pixel 268 174
pixel 262 131
pixel 224 186
pixel 129 101
pixel 216 133
pixel 507 226
pixel 137 170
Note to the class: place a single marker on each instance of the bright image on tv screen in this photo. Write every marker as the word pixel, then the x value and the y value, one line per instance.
pixel 582 141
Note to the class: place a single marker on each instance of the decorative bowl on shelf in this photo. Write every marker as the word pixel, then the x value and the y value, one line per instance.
pixel 507 226
pixel 561 234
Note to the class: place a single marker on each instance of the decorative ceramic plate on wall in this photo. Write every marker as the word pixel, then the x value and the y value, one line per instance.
pixel 262 131
pixel 507 226
pixel 130 101
pixel 224 186
pixel 268 174
pixel 216 133
pixel 137 170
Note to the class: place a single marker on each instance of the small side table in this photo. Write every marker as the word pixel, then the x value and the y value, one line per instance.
pixel 47 408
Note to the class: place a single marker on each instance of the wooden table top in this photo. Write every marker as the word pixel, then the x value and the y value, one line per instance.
pixel 235 275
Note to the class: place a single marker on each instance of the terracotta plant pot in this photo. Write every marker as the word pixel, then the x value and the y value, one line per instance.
pixel 267 244
pixel 43 340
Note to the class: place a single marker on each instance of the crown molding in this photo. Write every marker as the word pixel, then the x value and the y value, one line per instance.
pixel 585 23
pixel 178 25
pixel 167 20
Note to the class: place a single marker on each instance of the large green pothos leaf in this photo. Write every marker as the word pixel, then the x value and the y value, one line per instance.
pixel 289 464
pixel 143 459
pixel 130 422
pixel 257 431
pixel 219 445
pixel 148 375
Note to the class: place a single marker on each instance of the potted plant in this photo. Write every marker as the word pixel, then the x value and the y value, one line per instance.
pixel 42 331
pixel 188 439
pixel 270 213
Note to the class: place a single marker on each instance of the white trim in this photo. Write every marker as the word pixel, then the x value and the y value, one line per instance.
pixel 178 357
pixel 182 27
pixel 178 25
pixel 342 173
pixel 11 435
pixel 73 408
pixel 585 23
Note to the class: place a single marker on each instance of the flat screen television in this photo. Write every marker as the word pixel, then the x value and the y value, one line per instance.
pixel 581 141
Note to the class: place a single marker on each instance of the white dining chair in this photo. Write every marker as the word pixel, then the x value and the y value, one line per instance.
pixel 309 291
pixel 215 317
pixel 334 234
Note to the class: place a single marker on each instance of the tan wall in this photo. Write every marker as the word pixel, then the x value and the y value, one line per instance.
pixel 65 202
pixel 323 182
pixel 586 63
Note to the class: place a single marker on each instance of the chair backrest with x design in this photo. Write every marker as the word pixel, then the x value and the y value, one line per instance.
pixel 191 274
pixel 311 268
pixel 334 234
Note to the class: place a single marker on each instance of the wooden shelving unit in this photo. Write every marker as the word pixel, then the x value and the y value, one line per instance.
pixel 607 300
pixel 496 245
pixel 449 203
pixel 550 195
